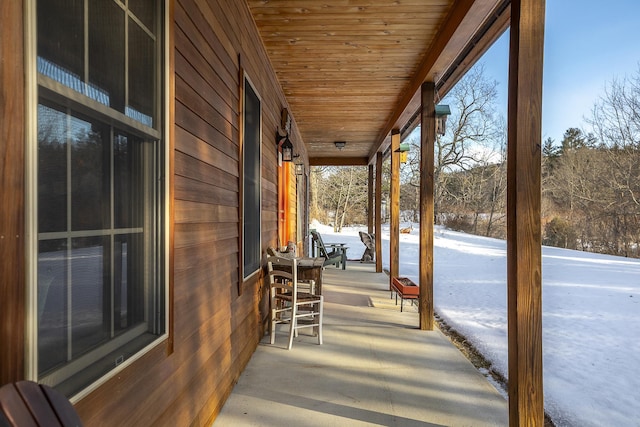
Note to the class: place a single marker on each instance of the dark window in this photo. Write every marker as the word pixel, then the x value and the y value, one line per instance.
pixel 251 190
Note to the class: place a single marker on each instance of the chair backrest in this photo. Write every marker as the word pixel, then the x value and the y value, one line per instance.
pixel 283 274
pixel 367 239
pixel 320 244
pixel 27 403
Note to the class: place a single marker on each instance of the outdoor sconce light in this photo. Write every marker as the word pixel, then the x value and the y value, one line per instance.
pixel 299 169
pixel 442 111
pixel 404 152
pixel 287 147
pixel 340 144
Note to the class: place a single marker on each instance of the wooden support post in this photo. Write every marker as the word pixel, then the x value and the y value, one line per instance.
pixel 427 147
pixel 370 199
pixel 394 196
pixel 378 211
pixel 524 254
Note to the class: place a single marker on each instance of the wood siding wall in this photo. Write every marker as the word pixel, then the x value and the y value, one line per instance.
pixel 214 328
pixel 12 239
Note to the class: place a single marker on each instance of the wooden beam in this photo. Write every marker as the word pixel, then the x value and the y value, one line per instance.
pixel 445 34
pixel 427 147
pixel 491 30
pixel 524 254
pixel 394 227
pixel 378 211
pixel 338 161
pixel 12 225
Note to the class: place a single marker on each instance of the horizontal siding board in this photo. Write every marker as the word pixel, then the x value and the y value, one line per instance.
pixel 190 256
pixel 194 124
pixel 195 212
pixel 195 147
pixel 201 100
pixel 201 356
pixel 196 191
pixel 211 66
pixel 204 395
pixel 189 167
pixel 206 320
pixel 196 234
pixel 206 282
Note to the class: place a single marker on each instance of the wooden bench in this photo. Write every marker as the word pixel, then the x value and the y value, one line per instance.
pixel 405 288
pixel 26 403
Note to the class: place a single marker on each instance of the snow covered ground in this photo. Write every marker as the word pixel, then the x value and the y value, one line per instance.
pixel 591 317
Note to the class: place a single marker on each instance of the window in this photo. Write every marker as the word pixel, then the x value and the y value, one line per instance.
pixel 100 188
pixel 251 155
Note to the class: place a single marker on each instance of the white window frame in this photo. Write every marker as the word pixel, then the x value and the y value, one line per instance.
pixel 31 198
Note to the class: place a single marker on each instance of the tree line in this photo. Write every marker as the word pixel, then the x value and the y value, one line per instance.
pixel 590 178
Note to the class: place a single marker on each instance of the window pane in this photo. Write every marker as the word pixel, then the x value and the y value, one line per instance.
pixel 100 281
pixel 141 75
pixel 61 41
pixel 129 301
pixel 128 178
pixel 52 304
pixel 251 191
pixel 52 170
pixel 90 294
pixel 90 170
pixel 107 50
pixel 145 11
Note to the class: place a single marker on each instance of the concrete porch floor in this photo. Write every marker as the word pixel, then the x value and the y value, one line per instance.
pixel 374 368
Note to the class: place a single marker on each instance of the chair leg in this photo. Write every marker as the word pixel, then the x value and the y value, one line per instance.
pixel 292 325
pixel 320 310
pixel 272 327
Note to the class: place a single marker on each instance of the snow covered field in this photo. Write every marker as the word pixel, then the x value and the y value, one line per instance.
pixel 591 318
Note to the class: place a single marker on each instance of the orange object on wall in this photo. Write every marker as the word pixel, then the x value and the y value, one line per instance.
pixel 284 204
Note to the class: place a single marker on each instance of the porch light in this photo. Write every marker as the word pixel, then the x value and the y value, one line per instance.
pixel 287 147
pixel 442 111
pixel 287 150
pixel 404 151
pixel 299 169
pixel 340 144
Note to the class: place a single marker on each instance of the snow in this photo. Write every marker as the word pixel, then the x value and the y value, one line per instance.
pixel 591 317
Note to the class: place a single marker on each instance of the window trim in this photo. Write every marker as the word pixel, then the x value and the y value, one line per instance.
pixel 34 83
pixel 244 277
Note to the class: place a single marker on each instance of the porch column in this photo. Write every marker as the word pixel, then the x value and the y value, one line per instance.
pixel 370 199
pixel 378 211
pixel 524 257
pixel 427 147
pixel 394 196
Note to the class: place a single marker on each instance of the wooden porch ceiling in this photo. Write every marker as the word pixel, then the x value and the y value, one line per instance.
pixel 351 69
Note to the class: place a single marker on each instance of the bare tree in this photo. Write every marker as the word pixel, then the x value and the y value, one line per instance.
pixel 339 195
pixel 473 137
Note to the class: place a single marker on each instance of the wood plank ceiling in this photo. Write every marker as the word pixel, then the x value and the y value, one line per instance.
pixel 351 69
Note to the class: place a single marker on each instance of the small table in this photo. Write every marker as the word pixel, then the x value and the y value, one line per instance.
pixel 311 268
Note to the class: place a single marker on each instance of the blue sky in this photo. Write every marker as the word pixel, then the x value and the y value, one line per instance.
pixel 587 45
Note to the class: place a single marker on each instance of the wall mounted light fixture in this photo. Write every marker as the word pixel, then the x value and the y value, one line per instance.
pixel 340 144
pixel 442 111
pixel 284 146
